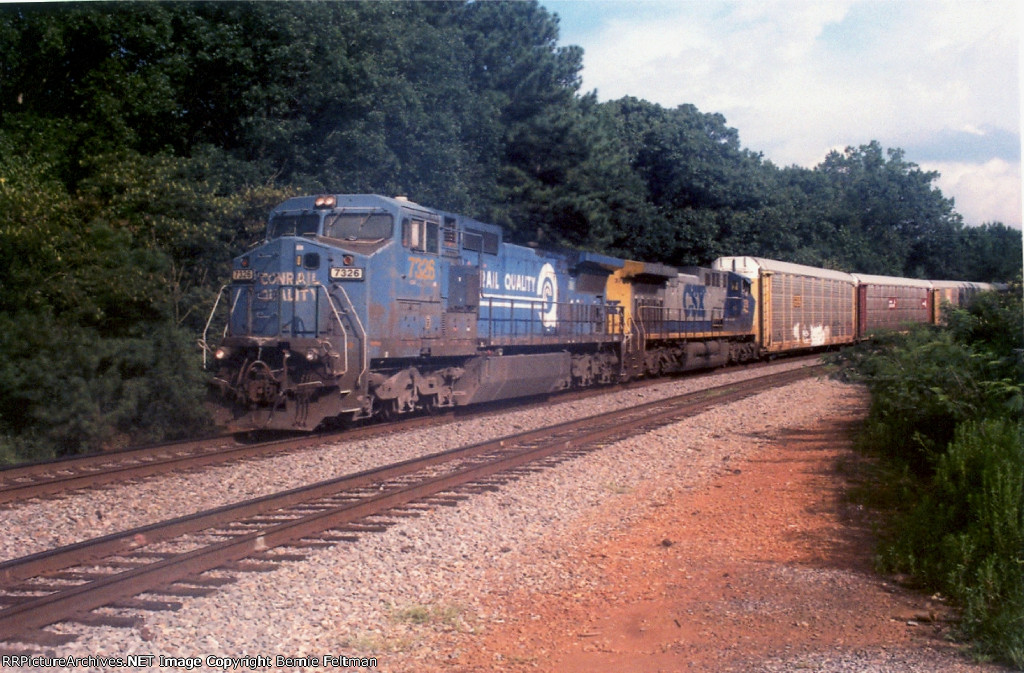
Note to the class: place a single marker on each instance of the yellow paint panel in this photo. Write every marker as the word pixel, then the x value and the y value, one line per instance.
pixel 621 290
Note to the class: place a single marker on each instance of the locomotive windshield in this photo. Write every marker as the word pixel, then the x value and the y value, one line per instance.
pixel 366 227
pixel 294 224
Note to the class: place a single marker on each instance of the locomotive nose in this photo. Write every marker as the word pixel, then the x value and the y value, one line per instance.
pixel 280 296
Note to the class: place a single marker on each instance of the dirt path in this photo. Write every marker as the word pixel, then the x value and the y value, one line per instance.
pixel 768 568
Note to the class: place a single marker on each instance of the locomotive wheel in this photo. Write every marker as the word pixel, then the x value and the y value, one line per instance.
pixel 261 417
pixel 387 409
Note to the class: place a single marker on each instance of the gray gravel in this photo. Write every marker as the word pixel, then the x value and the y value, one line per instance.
pixel 42 524
pixel 400 595
pixel 894 660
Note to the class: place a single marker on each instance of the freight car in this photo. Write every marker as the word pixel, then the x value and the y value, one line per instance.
pixel 800 306
pixel 357 306
pixel 956 293
pixel 889 303
pixel 803 307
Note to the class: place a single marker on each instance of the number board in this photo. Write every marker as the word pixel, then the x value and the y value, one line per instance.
pixel 346 273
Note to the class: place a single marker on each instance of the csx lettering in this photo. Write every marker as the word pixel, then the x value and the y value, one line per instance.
pixel 421 268
pixel 693 301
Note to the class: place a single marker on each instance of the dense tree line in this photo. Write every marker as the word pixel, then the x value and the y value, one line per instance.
pixel 141 145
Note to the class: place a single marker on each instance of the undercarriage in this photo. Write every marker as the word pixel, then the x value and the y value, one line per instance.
pixel 303 385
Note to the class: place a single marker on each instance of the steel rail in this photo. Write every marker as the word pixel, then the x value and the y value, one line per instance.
pixel 21 482
pixel 498 456
pixel 47 478
pixel 34 469
pixel 40 479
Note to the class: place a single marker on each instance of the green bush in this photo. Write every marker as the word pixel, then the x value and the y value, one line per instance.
pixel 964 535
pixel 68 389
pixel 980 499
pixel 945 416
pixel 922 384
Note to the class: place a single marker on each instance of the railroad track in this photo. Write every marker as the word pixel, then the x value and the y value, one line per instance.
pixel 146 568
pixel 46 478
pixel 22 482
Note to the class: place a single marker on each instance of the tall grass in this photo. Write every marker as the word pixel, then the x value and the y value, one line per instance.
pixel 945 417
pixel 963 535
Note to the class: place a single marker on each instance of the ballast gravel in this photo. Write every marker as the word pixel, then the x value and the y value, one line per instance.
pixel 399 595
pixel 41 524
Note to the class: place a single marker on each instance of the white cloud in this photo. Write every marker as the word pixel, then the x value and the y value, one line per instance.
pixel 797 78
pixel 989 192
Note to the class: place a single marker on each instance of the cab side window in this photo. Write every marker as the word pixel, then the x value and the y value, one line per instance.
pixel 420 235
pixel 480 241
pixel 432 238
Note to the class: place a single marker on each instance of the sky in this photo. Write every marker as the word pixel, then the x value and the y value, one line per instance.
pixel 797 79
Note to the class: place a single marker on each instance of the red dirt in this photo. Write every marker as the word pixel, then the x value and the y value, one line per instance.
pixel 768 565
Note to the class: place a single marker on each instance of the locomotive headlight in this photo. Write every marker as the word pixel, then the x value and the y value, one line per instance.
pixel 327 201
pixel 221 353
pixel 312 355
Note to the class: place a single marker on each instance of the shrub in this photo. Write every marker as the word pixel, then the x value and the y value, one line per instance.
pixel 979 500
pixel 67 389
pixel 945 415
pixel 922 385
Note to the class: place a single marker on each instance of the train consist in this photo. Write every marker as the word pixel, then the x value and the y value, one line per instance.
pixel 360 305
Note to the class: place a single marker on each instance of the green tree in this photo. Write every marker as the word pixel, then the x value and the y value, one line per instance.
pixel 887 216
pixel 704 190
pixel 197 212
pixel 989 253
pixel 88 356
pixel 528 86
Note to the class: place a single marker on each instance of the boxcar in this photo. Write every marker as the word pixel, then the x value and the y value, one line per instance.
pixel 798 306
pixel 889 303
pixel 955 293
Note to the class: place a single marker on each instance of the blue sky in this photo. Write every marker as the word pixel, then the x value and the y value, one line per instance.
pixel 797 78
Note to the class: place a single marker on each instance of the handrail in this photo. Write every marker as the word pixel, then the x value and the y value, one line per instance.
pixel 344 333
pixel 202 340
pixel 522 318
pixel 359 324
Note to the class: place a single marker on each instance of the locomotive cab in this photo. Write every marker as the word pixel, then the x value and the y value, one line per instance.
pixel 294 347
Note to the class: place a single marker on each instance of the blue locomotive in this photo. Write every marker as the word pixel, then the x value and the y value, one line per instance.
pixel 361 305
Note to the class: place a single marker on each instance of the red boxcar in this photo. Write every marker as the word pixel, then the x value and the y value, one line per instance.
pixel 889 303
